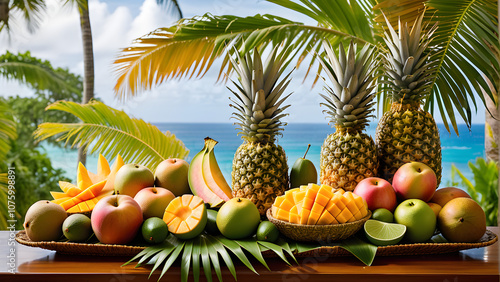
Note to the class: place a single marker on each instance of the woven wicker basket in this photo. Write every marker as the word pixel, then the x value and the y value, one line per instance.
pixel 319 233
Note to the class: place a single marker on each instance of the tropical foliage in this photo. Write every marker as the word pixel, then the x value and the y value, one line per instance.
pixel 7 129
pixel 484 190
pixel 31 11
pixel 35 175
pixel 205 250
pixel 7 133
pixel 190 47
pixel 112 132
pixel 35 73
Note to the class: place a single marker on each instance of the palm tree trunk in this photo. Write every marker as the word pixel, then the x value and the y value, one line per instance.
pixel 88 64
pixel 4 11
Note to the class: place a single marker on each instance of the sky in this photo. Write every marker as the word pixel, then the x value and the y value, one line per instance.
pixel 115 24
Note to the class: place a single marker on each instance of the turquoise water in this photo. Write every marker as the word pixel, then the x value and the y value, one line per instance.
pixel 455 150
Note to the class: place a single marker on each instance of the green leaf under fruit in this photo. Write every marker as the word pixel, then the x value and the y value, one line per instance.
pixel 364 251
pixel 206 249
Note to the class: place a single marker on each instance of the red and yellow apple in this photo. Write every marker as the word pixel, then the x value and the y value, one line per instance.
pixel 377 192
pixel 153 201
pixel 444 195
pixel 116 219
pixel 131 178
pixel 172 174
pixel 414 180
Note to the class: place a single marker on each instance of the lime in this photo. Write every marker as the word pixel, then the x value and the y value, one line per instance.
pixel 77 227
pixel 267 231
pixel 382 214
pixel 211 226
pixel 154 230
pixel 382 233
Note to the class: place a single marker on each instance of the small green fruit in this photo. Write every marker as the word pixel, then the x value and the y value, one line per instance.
pixel 267 231
pixel 77 228
pixel 382 233
pixel 238 218
pixel 211 226
pixel 154 230
pixel 418 218
pixel 303 172
pixel 384 215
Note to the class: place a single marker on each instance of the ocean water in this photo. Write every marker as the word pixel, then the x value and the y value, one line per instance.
pixel 457 150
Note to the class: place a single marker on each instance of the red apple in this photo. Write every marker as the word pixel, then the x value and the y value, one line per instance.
pixel 116 219
pixel 377 192
pixel 414 180
pixel 153 201
pixel 444 195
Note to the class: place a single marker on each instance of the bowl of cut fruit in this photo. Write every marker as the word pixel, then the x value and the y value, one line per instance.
pixel 318 213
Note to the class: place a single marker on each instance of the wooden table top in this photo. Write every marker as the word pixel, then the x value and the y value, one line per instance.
pixel 35 264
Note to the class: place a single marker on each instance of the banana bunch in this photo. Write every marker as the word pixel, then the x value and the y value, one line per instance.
pixel 205 177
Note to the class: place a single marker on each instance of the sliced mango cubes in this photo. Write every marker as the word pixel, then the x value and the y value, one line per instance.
pixel 319 205
pixel 90 187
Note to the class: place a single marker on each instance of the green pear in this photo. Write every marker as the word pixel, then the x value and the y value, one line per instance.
pixel 303 172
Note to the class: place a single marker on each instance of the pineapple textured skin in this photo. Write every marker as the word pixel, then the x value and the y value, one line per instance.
pixel 346 159
pixel 260 173
pixel 406 134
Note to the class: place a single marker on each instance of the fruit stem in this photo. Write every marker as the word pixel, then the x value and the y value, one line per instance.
pixel 308 146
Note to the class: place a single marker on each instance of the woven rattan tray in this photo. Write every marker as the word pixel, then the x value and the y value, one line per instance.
pixel 488 238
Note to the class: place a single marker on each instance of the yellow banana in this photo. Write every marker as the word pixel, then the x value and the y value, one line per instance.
pixel 212 173
pixel 197 182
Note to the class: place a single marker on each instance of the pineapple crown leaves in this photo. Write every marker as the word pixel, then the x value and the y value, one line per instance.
pixel 350 99
pixel 409 64
pixel 259 95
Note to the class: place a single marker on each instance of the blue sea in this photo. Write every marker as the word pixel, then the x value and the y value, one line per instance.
pixel 457 150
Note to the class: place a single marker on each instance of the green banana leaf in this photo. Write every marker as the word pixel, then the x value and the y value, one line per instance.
pixel 208 250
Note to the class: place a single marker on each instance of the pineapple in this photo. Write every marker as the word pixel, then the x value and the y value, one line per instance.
pixel 349 155
pixel 260 170
pixel 406 132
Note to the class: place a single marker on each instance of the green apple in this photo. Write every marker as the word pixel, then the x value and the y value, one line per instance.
pixel 419 219
pixel 303 172
pixel 131 178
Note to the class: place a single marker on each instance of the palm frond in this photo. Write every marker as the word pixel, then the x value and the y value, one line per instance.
pixel 4 214
pixel 112 132
pixel 465 45
pixel 208 249
pixel 33 72
pixel 395 11
pixel 172 6
pixel 190 47
pixel 32 12
pixel 466 38
pixel 8 130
